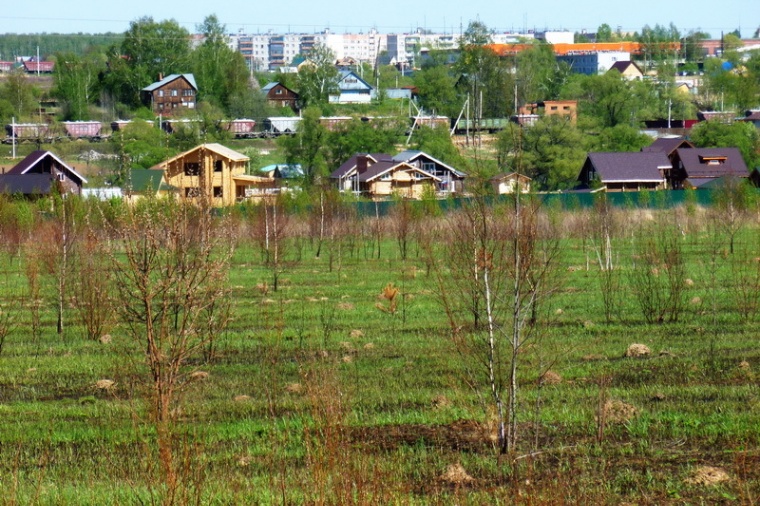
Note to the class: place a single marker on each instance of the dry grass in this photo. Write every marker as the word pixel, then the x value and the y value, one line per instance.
pixel 616 411
pixel 637 350
pixel 456 475
pixel 707 476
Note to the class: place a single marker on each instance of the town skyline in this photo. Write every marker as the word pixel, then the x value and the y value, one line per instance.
pixel 342 16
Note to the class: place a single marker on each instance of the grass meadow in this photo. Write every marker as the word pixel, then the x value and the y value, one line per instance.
pixel 322 392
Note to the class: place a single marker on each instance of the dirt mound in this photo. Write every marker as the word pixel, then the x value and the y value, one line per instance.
pixel 550 378
pixel 294 388
pixel 356 334
pixel 105 384
pixel 707 476
pixel 615 411
pixel 199 375
pixel 638 350
pixel 441 401
pixel 456 475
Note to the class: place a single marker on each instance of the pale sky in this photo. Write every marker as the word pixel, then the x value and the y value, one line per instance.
pixel 390 16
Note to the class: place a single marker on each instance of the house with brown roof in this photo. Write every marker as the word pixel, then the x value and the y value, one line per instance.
pixel 752 116
pixel 41 173
pixel 633 171
pixel 216 175
pixel 408 173
pixel 279 95
pixel 627 69
pixel 669 146
pixel 693 167
pixel 171 95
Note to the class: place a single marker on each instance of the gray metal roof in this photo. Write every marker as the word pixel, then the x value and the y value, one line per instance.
pixel 190 78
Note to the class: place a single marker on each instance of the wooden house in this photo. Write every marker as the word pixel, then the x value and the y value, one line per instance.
pixel 171 95
pixel 625 171
pixel 279 95
pixel 408 173
pixel 505 184
pixel 628 70
pixel 41 173
pixel 215 175
pixel 353 89
pixel 693 167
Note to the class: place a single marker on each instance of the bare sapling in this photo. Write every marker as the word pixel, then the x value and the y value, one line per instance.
pixel 170 265
pixel 500 266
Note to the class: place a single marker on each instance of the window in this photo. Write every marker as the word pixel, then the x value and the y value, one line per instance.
pixel 218 165
pixel 278 91
pixel 192 192
pixel 192 168
pixel 386 177
pixel 174 93
pixel 187 93
pixel 160 93
pixel 428 167
pixel 218 192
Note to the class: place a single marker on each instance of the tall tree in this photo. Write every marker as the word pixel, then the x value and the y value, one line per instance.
pixel 485 77
pixel 20 94
pixel 76 82
pixel 150 49
pixel 318 78
pixel 220 72
pixel 309 146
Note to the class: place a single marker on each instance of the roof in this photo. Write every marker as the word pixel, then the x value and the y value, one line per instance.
pixel 190 78
pixel 270 86
pixel 504 176
pixel 410 155
pixel 26 184
pixel 629 167
pixel 696 165
pixel 143 180
pixel 380 168
pixel 622 66
pixel 220 150
pixel 349 165
pixel 343 74
pixel 752 115
pixel 284 170
pixel 35 157
pixel 667 145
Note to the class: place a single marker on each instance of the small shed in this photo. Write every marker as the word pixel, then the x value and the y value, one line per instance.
pixel 509 183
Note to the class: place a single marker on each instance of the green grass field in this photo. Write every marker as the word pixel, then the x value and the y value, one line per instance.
pixel 317 396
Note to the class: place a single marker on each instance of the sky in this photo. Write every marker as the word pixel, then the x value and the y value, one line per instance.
pixel 390 16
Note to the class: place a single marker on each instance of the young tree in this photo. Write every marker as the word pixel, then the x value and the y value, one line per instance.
pixel 76 83
pixel 317 79
pixel 20 94
pixel 170 264
pixel 500 269
pixel 309 146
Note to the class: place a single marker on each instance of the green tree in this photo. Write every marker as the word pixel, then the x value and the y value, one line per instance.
pixel 149 49
pixel 357 136
pixel 604 33
pixel 484 77
pixel 691 45
pixel 76 82
pixel 20 94
pixel 139 144
pixel 539 75
pixel 220 72
pixel 437 143
pixel 318 79
pixel 436 90
pixel 309 146
pixel 607 98
pixel 551 152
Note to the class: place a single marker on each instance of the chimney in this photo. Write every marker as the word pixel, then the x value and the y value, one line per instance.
pixel 160 76
pixel 362 164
